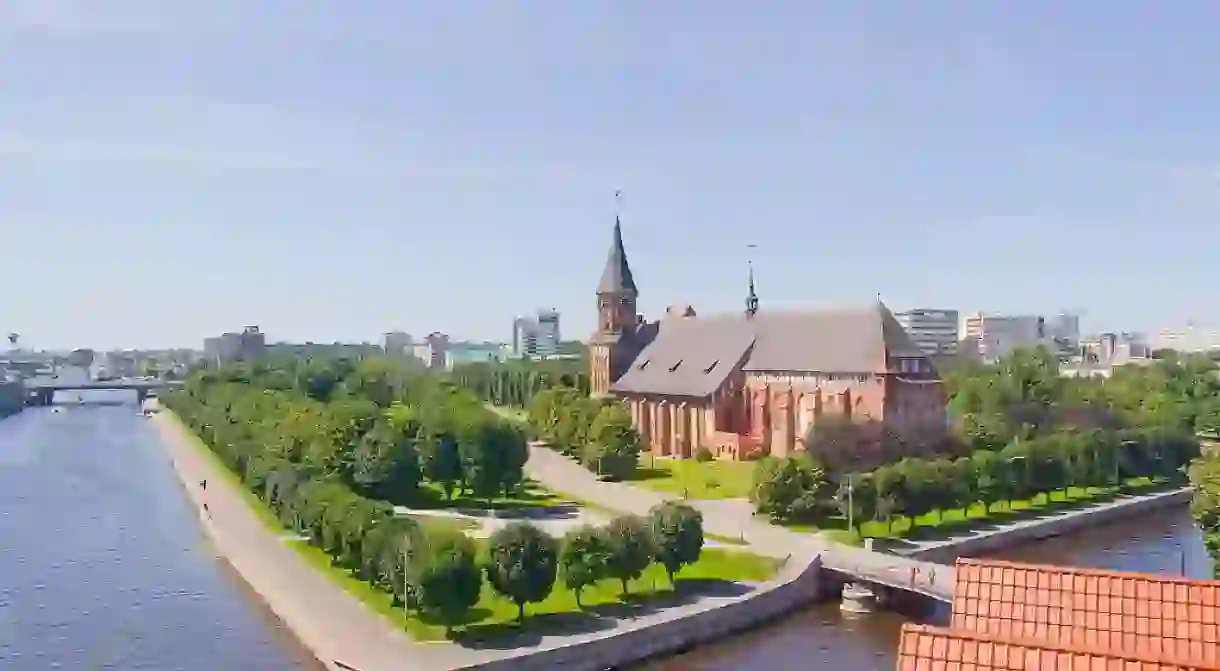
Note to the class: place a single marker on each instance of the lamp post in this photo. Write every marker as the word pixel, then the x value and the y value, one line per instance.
pixel 851 508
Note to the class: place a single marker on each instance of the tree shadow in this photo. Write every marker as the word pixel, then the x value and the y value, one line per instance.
pixel 643 473
pixel 601 617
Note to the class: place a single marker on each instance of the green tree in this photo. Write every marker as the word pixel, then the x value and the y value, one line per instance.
pixel 677 531
pixel 614 447
pixel 631 546
pixel 448 578
pixel 521 565
pixel 584 558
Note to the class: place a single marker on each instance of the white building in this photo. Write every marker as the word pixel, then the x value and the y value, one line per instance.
pixel 1193 338
pixel 935 331
pixel 536 337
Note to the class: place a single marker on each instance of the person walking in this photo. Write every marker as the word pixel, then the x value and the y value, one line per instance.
pixel 203 484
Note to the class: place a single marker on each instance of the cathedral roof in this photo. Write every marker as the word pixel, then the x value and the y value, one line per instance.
pixel 616 277
pixel 693 356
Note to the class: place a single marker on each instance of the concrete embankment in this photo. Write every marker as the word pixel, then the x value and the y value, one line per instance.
pixel 980 542
pixel 798 585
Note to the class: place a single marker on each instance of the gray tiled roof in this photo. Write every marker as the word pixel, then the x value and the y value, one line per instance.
pixel 616 277
pixel 840 341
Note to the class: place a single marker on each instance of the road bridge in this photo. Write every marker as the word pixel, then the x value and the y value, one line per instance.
pixel 42 392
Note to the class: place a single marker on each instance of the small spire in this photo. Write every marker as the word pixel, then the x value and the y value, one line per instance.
pixel 616 276
pixel 752 297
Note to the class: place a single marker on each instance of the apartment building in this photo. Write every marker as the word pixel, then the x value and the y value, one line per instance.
pixel 935 331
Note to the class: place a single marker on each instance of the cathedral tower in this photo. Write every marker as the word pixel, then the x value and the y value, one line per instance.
pixel 612 347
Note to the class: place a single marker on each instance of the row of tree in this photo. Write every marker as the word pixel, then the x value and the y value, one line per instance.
pixel 800 490
pixel 515 383
pixel 598 433
pixel 443 572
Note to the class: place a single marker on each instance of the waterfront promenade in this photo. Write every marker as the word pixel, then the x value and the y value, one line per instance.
pixel 335 625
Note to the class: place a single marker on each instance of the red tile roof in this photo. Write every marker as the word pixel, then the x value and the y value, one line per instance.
pixel 1107 610
pixel 925 648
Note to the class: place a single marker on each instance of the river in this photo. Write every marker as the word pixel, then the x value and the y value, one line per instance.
pixel 105 566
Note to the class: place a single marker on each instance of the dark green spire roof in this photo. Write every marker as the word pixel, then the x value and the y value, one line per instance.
pixel 616 278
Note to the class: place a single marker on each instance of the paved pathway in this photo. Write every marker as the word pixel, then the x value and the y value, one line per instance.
pixel 732 519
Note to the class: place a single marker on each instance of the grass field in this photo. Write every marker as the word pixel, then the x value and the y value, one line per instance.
pixel 493 619
pixel 719 479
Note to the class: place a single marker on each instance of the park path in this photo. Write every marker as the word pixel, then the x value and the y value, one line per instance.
pixel 733 519
pixel 330 622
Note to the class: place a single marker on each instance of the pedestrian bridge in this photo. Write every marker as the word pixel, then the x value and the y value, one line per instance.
pixel 895 575
pixel 42 392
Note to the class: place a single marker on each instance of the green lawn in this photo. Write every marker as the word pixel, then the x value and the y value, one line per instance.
pixel 941 523
pixel 719 479
pixel 493 618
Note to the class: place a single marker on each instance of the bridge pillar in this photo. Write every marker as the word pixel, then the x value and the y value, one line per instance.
pixel 141 395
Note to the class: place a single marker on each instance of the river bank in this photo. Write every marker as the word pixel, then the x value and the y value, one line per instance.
pixel 345 634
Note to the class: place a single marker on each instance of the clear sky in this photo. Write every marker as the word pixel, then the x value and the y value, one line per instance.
pixel 333 170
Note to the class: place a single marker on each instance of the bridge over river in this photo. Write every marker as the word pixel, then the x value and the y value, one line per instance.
pixel 42 391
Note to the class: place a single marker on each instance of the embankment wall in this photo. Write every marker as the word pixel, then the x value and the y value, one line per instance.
pixel 795 587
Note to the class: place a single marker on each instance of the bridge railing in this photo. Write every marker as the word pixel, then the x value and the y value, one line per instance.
pixel 899 576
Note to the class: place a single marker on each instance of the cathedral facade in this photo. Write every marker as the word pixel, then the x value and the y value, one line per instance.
pixel 759 382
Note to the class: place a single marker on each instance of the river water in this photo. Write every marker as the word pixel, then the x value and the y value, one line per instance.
pixel 103 565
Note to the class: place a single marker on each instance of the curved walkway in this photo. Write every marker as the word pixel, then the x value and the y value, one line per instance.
pixel 733 519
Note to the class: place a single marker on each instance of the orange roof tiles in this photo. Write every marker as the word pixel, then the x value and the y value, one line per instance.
pixel 1106 610
pixel 925 648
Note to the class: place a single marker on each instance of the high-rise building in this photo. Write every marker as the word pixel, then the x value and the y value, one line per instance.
pixel 249 344
pixel 397 343
pixel 537 336
pixel 548 333
pixel 933 330
pixel 1002 334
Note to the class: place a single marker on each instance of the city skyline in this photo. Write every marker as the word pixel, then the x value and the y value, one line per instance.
pixel 334 173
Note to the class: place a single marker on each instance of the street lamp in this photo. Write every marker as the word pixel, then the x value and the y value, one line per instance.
pixel 851 508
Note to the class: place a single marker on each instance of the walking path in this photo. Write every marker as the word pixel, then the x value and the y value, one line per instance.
pixel 733 519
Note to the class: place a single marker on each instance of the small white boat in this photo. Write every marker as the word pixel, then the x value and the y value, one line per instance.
pixel 57 409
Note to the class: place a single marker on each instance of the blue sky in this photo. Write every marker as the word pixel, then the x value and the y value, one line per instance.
pixel 336 170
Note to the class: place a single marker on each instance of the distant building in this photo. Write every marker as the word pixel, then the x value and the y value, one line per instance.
pixel 397 343
pixel 536 337
pixel 1193 338
pixel 332 350
pixel 247 345
pixel 432 351
pixel 1063 332
pixel 474 352
pixel 934 331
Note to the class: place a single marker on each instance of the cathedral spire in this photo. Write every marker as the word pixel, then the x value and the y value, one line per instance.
pixel 752 297
pixel 616 277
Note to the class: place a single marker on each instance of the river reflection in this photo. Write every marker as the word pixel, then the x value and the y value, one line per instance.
pixel 822 637
pixel 103 564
